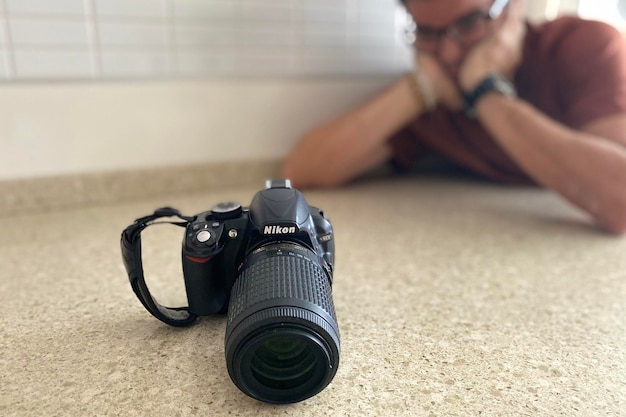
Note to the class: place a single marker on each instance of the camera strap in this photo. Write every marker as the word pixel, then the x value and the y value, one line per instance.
pixel 131 253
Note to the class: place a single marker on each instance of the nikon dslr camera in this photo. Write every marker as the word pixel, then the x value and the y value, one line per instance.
pixel 269 266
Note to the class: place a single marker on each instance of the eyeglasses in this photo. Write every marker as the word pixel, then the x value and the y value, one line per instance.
pixel 464 31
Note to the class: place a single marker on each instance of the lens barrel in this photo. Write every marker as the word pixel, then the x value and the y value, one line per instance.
pixel 282 336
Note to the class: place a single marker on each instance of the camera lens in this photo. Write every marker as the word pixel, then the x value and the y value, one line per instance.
pixel 282 337
pixel 283 362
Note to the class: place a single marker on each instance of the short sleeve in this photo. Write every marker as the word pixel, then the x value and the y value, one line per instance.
pixel 591 72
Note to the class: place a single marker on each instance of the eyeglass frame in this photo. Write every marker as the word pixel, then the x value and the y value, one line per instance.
pixel 452 31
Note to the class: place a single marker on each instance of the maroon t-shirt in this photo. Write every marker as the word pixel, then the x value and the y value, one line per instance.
pixel 572 70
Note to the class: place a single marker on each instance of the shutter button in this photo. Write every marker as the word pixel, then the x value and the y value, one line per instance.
pixel 203 236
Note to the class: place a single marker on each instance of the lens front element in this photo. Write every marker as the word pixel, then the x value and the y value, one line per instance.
pixel 283 365
pixel 284 361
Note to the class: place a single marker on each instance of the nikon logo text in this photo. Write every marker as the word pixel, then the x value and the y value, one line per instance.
pixel 279 230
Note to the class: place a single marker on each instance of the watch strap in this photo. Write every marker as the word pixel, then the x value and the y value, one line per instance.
pixel 491 83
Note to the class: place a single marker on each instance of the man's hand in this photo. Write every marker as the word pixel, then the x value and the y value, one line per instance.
pixel 500 52
pixel 444 90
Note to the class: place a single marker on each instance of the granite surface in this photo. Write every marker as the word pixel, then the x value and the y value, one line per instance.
pixel 32 195
pixel 454 298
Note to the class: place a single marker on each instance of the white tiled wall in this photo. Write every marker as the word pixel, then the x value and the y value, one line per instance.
pixel 95 39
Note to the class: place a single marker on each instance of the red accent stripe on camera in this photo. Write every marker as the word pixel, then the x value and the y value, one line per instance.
pixel 198 260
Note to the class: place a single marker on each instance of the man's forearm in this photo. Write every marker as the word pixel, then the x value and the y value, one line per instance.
pixel 353 143
pixel 588 170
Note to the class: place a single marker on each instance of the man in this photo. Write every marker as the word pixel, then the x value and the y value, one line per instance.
pixel 513 102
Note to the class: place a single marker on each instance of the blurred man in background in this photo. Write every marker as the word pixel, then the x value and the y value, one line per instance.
pixel 511 101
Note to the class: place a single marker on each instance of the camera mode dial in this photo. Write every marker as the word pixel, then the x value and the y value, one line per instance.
pixel 227 210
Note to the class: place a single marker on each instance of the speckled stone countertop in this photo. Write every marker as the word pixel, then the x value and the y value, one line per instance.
pixel 454 298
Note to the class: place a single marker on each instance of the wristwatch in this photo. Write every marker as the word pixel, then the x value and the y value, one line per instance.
pixel 492 83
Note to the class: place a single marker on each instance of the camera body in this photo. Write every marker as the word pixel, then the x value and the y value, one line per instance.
pixel 217 242
pixel 269 267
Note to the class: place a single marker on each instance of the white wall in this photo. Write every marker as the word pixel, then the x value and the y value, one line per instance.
pixel 610 11
pixel 541 10
pixel 64 128
pixel 101 85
